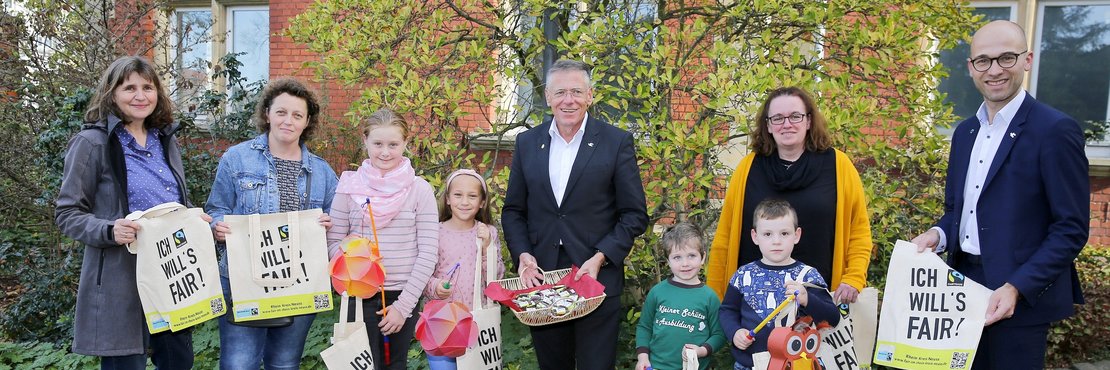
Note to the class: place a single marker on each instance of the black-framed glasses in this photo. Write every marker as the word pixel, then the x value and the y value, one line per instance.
pixel 1006 60
pixel 794 118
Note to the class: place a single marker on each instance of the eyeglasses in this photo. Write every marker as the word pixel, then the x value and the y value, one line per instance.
pixel 794 118
pixel 562 93
pixel 1006 60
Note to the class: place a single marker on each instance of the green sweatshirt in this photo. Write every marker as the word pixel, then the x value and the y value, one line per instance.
pixel 676 314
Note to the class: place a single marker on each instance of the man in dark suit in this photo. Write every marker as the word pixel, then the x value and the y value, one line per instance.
pixel 1016 208
pixel 575 198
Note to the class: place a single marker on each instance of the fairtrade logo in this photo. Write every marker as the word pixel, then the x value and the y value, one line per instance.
pixel 179 237
pixel 843 307
pixel 955 278
pixel 283 233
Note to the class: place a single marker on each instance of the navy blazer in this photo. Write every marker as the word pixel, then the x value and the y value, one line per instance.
pixel 603 206
pixel 1033 213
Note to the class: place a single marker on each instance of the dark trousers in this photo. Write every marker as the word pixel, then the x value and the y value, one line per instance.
pixel 398 342
pixel 1005 347
pixel 587 343
pixel 168 351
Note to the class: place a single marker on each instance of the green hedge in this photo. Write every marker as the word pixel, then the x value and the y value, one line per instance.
pixel 1083 337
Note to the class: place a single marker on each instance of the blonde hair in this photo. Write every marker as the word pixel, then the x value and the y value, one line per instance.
pixel 383 118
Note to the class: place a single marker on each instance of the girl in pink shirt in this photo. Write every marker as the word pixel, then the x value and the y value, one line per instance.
pixel 464 217
pixel 404 211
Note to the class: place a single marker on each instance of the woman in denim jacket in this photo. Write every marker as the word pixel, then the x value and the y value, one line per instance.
pixel 271 173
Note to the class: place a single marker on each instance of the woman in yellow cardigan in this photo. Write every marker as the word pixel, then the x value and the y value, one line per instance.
pixel 792 159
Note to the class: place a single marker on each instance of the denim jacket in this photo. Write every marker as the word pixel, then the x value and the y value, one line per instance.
pixel 246 183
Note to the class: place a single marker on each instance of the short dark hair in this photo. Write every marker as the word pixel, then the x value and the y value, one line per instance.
pixel 103 102
pixel 817 137
pixel 287 85
pixel 773 209
pixel 681 235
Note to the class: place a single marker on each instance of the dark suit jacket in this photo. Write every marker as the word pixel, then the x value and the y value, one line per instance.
pixel 603 206
pixel 1033 213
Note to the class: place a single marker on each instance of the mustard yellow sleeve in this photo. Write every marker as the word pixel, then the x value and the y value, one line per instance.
pixel 725 250
pixel 857 255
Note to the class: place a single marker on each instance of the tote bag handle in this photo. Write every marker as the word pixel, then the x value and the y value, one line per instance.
pixel 491 271
pixel 294 256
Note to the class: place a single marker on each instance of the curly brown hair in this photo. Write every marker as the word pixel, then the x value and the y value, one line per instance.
pixel 103 102
pixel 817 137
pixel 287 85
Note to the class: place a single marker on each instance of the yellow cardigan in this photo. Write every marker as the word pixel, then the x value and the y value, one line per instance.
pixel 851 247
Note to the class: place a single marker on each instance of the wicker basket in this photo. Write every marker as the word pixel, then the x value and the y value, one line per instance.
pixel 547 316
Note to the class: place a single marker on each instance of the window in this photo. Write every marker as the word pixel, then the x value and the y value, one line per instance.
pixel 197 45
pixel 249 33
pixel 192 52
pixel 958 87
pixel 1071 72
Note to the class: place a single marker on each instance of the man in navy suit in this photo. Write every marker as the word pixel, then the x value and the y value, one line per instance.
pixel 575 198
pixel 1016 204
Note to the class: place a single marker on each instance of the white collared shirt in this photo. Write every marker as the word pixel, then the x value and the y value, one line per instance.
pixel 562 157
pixel 986 145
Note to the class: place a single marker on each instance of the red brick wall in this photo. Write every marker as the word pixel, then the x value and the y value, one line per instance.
pixel 1100 211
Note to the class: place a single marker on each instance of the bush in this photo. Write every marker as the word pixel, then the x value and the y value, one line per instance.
pixel 1083 336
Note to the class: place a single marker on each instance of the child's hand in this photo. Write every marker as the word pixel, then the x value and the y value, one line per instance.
pixel 392 321
pixel 483 234
pixel 325 221
pixel 741 339
pixel 642 362
pixel 443 293
pixel 702 352
pixel 795 286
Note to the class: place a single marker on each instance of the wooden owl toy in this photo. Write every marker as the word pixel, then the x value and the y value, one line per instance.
pixel 795 347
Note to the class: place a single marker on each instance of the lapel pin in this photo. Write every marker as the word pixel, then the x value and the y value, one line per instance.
pixel 1013 135
pixel 590 144
pixel 543 146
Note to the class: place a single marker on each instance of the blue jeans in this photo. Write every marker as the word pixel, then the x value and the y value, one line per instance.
pixel 441 363
pixel 244 347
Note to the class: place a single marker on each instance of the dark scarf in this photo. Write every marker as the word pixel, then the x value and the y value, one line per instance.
pixel 800 174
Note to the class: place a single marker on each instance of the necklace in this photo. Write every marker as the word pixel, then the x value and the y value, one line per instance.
pixel 786 163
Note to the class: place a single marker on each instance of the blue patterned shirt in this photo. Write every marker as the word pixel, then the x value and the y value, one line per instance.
pixel 150 181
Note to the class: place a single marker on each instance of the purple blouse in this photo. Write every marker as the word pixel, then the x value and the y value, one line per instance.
pixel 150 181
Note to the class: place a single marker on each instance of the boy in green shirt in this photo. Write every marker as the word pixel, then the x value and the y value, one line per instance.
pixel 680 312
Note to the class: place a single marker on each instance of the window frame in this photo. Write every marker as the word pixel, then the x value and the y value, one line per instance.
pixel 229 30
pixel 173 47
pixel 1034 75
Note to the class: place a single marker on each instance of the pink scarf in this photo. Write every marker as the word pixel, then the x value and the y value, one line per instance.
pixel 386 192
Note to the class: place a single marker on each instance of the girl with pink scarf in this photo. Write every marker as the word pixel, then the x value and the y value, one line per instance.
pixel 405 213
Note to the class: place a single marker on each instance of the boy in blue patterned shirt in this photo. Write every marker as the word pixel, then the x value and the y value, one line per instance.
pixel 680 312
pixel 758 287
